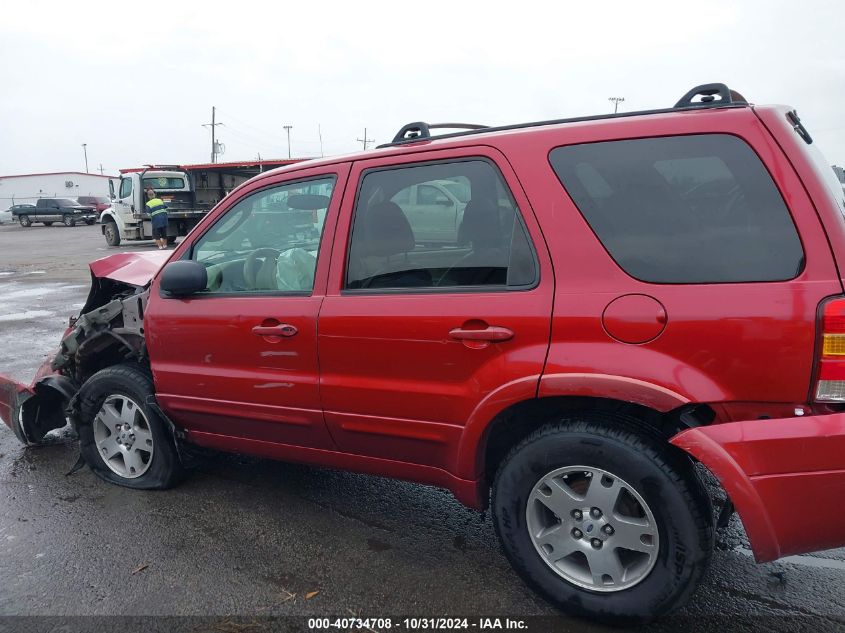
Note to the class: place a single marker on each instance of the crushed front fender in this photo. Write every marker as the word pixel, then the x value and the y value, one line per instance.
pixel 785 477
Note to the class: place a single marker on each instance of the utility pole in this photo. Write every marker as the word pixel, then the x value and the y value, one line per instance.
pixel 102 172
pixel 320 134
pixel 213 125
pixel 365 140
pixel 616 102
pixel 85 149
pixel 288 129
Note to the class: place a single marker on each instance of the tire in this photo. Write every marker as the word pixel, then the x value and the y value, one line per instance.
pixel 68 221
pixel 24 220
pixel 648 479
pixel 142 452
pixel 89 222
pixel 111 233
pixel 48 224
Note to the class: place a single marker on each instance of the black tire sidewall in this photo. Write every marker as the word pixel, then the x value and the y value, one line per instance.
pixel 165 469
pixel 683 550
pixel 115 241
pixel 68 221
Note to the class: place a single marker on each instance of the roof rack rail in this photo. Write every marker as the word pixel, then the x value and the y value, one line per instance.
pixel 420 130
pixel 709 96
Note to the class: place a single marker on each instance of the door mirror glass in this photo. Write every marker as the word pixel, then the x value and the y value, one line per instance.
pixel 183 278
pixel 111 189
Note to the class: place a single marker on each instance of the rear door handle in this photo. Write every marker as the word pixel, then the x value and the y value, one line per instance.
pixel 283 329
pixel 491 333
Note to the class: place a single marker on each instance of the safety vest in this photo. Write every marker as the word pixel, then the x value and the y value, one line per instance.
pixel 156 206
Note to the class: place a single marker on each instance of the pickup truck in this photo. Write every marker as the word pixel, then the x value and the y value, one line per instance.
pixel 50 210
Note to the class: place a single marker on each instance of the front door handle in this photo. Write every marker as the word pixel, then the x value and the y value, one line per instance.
pixel 282 329
pixel 492 333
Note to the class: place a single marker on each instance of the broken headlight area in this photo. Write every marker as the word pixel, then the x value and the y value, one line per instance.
pixel 109 330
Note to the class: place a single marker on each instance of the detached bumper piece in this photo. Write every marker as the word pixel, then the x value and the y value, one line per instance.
pixel 786 478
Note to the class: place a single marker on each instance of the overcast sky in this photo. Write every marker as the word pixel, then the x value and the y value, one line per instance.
pixel 136 80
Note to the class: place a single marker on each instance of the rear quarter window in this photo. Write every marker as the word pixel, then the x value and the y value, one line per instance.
pixel 684 209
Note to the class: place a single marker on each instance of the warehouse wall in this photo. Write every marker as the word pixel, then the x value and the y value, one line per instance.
pixel 23 189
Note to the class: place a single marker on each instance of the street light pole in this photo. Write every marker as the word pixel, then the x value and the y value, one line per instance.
pixel 85 150
pixel 287 129
pixel 616 102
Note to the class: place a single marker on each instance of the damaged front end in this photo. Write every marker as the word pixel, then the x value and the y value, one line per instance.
pixel 108 330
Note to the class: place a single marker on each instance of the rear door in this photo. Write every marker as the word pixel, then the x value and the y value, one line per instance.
pixel 239 360
pixel 415 336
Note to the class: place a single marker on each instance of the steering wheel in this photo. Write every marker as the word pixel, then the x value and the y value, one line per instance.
pixel 251 265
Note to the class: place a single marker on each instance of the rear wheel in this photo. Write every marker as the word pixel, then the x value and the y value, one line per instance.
pixel 111 233
pixel 122 438
pixel 68 221
pixel 605 522
pixel 24 220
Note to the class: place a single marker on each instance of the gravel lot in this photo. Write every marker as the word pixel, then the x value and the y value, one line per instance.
pixel 253 538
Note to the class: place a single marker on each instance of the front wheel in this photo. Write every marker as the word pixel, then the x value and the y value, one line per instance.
pixel 68 221
pixel 89 222
pixel 604 521
pixel 24 220
pixel 111 233
pixel 122 438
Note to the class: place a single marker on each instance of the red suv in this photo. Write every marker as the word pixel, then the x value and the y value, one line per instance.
pixel 616 299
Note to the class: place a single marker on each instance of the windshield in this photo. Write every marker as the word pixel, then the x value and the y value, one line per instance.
pixel 93 200
pixel 65 202
pixel 164 182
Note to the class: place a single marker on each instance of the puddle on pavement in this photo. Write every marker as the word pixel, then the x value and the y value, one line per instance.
pixel 807 561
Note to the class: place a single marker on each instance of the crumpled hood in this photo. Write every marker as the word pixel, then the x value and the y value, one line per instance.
pixel 135 269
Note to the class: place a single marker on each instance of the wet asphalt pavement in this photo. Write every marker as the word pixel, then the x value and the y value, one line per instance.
pixel 252 539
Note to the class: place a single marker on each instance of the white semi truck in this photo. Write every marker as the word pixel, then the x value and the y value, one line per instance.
pixel 127 218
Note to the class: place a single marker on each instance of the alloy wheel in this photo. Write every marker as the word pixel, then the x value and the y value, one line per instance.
pixel 592 528
pixel 123 437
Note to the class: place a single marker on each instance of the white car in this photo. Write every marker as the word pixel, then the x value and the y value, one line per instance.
pixel 6 216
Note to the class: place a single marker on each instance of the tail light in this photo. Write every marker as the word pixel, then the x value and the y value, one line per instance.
pixel 830 385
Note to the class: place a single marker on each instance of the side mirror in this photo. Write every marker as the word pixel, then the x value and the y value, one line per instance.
pixel 182 278
pixel 443 201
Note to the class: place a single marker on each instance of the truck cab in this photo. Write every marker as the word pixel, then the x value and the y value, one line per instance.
pixel 127 218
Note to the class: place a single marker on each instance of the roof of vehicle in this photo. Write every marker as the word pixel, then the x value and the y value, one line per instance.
pixel 418 133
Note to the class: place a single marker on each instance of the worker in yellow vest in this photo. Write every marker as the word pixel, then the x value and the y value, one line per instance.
pixel 158 216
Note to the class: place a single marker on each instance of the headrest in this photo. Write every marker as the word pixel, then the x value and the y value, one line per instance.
pixel 480 225
pixel 386 230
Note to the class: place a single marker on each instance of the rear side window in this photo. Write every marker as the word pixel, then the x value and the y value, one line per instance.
pixel 684 209
pixel 438 225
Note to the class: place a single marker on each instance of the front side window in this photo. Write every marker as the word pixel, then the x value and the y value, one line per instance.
pixel 125 188
pixel 683 209
pixel 438 225
pixel 267 242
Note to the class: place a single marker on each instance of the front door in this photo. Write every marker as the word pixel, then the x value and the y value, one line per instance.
pixel 414 335
pixel 239 360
